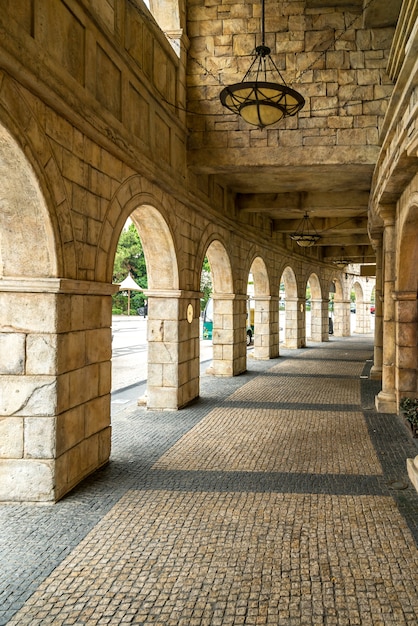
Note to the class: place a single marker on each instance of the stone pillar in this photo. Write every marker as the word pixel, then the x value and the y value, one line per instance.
pixel 376 370
pixel 342 318
pixel 229 336
pixel 386 399
pixel 295 323
pixel 55 381
pixel 173 348
pixel 406 344
pixel 319 320
pixel 363 318
pixel 266 326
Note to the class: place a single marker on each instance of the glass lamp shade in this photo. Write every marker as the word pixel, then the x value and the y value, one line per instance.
pixel 341 264
pixel 305 241
pixel 261 103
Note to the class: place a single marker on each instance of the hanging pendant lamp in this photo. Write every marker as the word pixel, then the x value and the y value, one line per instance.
pixel 258 101
pixel 305 235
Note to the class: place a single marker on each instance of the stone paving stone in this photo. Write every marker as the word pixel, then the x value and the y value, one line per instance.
pixel 281 389
pixel 303 545
pixel 316 367
pixel 266 558
pixel 263 440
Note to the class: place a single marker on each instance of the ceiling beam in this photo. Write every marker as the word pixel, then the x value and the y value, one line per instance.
pixel 341 241
pixel 325 226
pixel 302 201
pixel 356 254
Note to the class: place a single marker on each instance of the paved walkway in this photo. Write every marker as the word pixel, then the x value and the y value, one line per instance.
pixel 280 498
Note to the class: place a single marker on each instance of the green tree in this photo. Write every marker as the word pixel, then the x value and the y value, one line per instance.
pixel 205 283
pixel 129 258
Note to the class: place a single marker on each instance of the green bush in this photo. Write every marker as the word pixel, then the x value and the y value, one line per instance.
pixel 116 311
pixel 409 407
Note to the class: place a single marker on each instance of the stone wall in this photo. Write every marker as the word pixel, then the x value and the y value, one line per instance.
pixel 327 55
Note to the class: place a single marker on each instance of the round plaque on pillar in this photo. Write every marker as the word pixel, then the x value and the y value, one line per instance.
pixel 190 313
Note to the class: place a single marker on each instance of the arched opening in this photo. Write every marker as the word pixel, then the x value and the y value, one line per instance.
pixel 263 314
pixel 27 246
pixel 407 307
pixel 30 350
pixel 129 313
pixel 223 309
pixel 314 309
pixel 341 309
pixel 291 317
pixel 356 308
pixel 206 332
pixel 159 250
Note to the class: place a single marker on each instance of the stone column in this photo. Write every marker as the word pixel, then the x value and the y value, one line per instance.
pixel 376 370
pixel 55 381
pixel 406 344
pixel 173 348
pixel 362 318
pixel 386 399
pixel 266 326
pixel 229 337
pixel 319 320
pixel 295 323
pixel 341 318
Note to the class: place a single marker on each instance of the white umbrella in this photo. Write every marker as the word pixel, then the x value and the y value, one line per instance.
pixel 129 285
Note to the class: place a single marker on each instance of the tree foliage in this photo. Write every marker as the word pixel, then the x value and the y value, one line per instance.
pixel 205 283
pixel 129 258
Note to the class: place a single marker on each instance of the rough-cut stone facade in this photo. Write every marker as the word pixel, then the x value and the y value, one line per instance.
pixel 339 69
pixel 89 136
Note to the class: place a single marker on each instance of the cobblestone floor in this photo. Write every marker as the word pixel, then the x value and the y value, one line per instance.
pixel 280 498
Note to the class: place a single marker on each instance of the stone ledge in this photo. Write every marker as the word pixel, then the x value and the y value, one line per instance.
pixel 412 467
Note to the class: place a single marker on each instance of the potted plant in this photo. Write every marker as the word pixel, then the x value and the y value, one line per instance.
pixel 409 407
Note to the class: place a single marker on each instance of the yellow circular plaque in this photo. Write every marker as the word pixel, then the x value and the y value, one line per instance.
pixel 190 313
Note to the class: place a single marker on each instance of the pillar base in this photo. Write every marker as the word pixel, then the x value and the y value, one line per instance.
pixel 376 373
pixel 412 467
pixel 386 403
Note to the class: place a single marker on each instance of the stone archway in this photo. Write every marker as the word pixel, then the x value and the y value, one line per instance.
pixel 341 309
pixel 29 381
pixel 173 313
pixel 266 313
pixel 406 305
pixel 318 312
pixel 295 322
pixel 229 314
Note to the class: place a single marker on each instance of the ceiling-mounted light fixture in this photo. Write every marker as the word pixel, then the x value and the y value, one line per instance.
pixel 305 235
pixel 342 262
pixel 255 99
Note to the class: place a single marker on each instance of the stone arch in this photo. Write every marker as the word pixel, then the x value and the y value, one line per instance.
pixel 27 245
pixel 220 266
pixel 229 311
pixel 358 290
pixel 261 278
pixel 341 320
pixel 30 299
pixel 172 333
pixel 407 249
pixel 406 303
pixel 158 245
pixel 266 313
pixel 139 200
pixel 34 167
pixel 318 312
pixel 290 282
pixel 293 317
